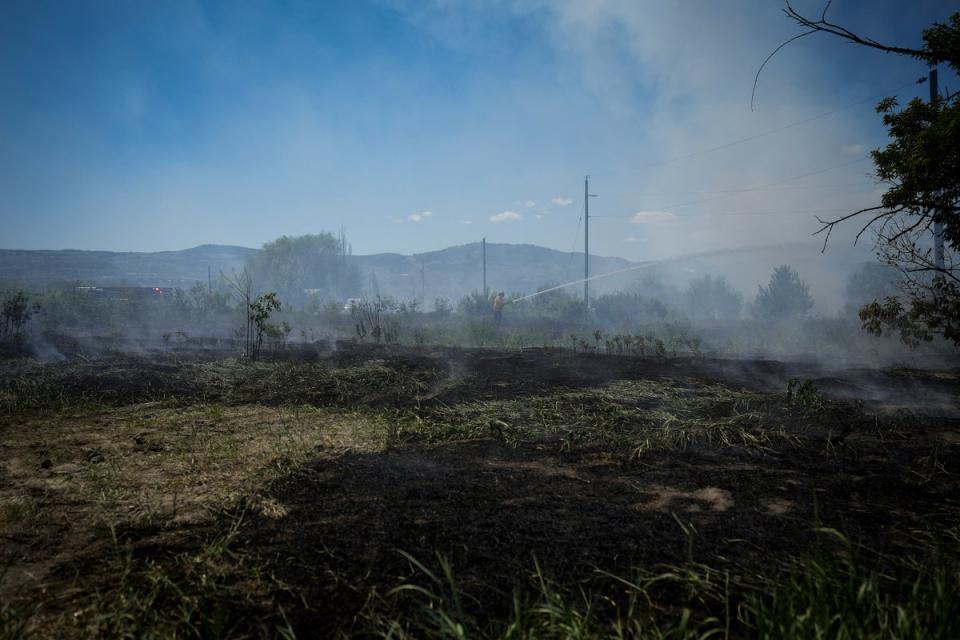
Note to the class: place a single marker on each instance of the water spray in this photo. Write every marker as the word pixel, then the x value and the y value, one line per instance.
pixel 636 267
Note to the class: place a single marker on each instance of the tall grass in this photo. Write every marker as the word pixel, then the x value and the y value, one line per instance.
pixel 188 595
pixel 853 594
pixel 840 591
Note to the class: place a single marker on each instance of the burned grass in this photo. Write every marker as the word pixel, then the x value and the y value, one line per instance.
pixel 626 417
pixel 529 491
pixel 34 387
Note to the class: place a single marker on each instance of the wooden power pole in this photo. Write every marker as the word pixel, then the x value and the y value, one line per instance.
pixel 483 244
pixel 586 242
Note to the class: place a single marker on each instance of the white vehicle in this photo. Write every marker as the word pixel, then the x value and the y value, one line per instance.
pixel 352 303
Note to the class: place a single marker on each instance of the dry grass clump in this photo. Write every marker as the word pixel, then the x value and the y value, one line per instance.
pixel 629 416
pixel 96 488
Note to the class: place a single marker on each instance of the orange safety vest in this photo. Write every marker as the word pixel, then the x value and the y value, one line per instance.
pixel 497 303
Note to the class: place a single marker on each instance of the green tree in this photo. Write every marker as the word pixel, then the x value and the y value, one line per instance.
pixel 937 313
pixel 204 301
pixel 711 298
pixel 259 312
pixel 624 311
pixel 786 297
pixel 920 167
pixel 16 312
pixel 477 304
pixel 241 285
pixel 297 268
pixel 871 281
pixel 561 304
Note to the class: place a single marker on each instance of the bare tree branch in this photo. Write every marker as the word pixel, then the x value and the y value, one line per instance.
pixel 828 225
pixel 756 78
pixel 829 27
pixel 822 25
pixel 885 214
pixel 921 220
pixel 901 249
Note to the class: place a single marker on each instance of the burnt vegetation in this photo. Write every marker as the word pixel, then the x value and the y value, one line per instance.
pixel 384 490
pixel 284 451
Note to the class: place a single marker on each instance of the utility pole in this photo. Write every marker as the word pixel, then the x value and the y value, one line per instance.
pixel 423 283
pixel 209 281
pixel 937 227
pixel 586 242
pixel 483 244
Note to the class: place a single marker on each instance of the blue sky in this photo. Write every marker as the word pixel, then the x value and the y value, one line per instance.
pixel 418 125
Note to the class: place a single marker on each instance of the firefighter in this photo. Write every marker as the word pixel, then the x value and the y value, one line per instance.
pixel 498 303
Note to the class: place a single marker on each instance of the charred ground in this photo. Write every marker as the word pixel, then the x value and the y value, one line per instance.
pixel 191 494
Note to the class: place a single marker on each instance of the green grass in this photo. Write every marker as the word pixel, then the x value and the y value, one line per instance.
pixel 199 594
pixel 840 591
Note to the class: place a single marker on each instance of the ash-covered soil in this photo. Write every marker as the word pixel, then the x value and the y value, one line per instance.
pixel 326 467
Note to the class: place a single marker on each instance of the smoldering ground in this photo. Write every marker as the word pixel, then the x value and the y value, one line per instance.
pixel 294 494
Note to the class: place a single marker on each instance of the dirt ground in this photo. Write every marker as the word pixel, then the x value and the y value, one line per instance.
pixel 317 470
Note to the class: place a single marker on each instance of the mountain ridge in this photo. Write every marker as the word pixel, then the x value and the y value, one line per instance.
pixel 448 273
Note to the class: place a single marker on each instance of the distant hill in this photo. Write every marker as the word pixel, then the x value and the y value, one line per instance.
pixel 456 271
pixel 158 269
pixel 449 273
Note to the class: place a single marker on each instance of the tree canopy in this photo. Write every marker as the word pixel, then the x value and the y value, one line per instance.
pixel 298 268
pixel 711 298
pixel 920 167
pixel 786 297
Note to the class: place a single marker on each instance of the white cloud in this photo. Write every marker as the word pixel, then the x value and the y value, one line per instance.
pixel 468 222
pixel 506 216
pixel 419 217
pixel 529 204
pixel 853 149
pixel 632 239
pixel 646 217
pixel 539 216
pixel 560 201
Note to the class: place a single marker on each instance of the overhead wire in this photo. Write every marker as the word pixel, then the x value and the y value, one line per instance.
pixel 761 213
pixel 769 186
pixel 763 187
pixel 769 132
pixel 823 187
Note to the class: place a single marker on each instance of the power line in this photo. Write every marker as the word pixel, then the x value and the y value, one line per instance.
pixel 765 186
pixel 770 186
pixel 761 213
pixel 766 212
pixel 808 187
pixel 769 132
